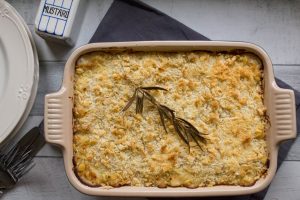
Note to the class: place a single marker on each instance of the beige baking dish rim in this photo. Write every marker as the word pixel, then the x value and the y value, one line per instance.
pixel 280 105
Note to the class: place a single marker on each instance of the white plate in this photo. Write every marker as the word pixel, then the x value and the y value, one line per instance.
pixel 18 71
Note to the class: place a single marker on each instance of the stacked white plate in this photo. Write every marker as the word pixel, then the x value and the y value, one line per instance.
pixel 19 71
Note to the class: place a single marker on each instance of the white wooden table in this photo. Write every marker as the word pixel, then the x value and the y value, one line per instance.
pixel 274 25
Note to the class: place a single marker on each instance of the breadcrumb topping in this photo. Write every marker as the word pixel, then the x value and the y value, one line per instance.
pixel 219 93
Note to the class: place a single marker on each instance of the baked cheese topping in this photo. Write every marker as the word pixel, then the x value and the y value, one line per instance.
pixel 219 93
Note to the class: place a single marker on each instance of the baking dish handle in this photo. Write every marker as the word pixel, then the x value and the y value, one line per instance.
pixel 285 114
pixel 55 114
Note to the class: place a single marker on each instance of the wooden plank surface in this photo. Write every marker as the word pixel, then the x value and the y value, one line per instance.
pixel 51 74
pixel 273 24
pixel 258 21
pixel 47 181
pixel 286 184
pixel 49 51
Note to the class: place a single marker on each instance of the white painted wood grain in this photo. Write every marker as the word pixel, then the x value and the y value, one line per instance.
pixel 50 80
pixel 274 25
pixel 48 150
pixel 48 181
pixel 51 51
pixel 27 9
pixel 286 184
pixel 289 74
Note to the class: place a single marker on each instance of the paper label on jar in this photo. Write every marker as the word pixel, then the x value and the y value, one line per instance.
pixel 55 12
pixel 55 16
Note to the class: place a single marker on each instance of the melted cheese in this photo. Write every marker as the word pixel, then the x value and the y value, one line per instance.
pixel 219 93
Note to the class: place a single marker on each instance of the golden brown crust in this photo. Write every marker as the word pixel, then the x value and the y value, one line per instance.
pixel 219 93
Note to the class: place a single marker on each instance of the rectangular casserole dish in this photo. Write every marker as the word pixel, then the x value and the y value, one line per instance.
pixel 280 104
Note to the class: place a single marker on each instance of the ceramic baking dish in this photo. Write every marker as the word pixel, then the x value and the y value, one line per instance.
pixel 280 105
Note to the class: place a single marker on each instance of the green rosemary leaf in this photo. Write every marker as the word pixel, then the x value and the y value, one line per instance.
pixel 189 129
pixel 169 113
pixel 185 131
pixel 192 129
pixel 183 128
pixel 189 125
pixel 195 139
pixel 150 98
pixel 162 119
pixel 139 103
pixel 179 132
pixel 153 88
pixel 131 100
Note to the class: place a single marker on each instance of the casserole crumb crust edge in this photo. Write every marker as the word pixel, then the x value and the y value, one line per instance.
pixel 236 153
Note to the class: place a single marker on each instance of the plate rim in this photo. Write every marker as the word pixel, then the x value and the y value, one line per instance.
pixel 32 56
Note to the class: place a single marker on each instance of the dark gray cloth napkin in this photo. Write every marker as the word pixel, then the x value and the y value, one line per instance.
pixel 132 20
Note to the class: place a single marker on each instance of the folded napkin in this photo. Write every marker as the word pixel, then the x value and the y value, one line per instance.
pixel 132 20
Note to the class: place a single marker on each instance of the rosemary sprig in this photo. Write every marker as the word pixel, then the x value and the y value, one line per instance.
pixel 183 128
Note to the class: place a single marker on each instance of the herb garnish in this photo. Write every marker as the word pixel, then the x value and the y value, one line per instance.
pixel 183 128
